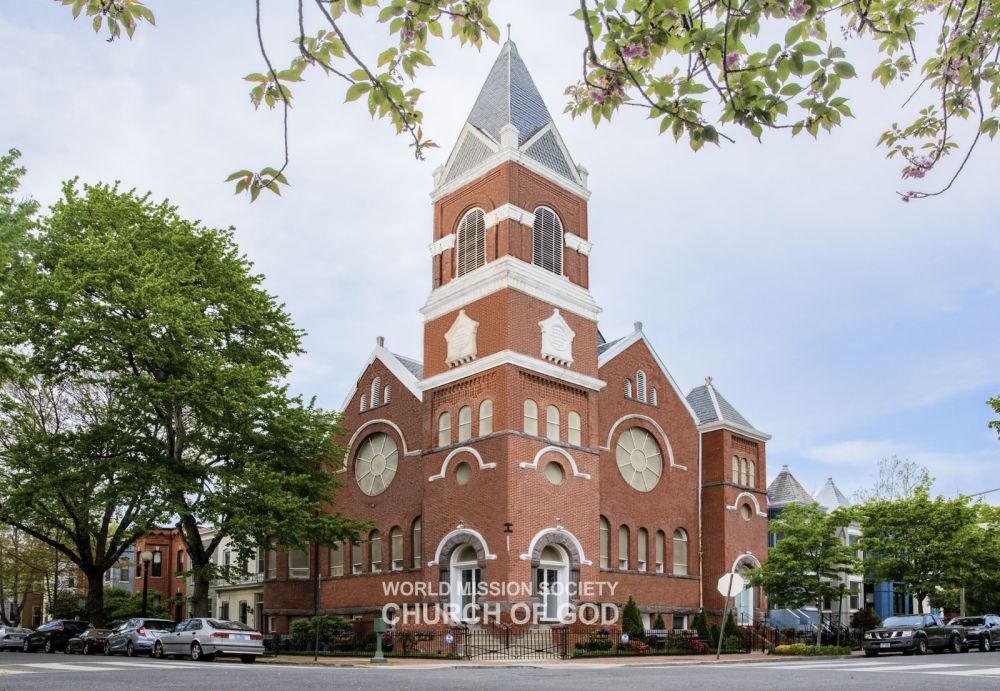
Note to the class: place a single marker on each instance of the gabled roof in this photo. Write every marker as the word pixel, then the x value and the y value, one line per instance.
pixel 610 350
pixel 785 490
pixel 509 97
pixel 830 497
pixel 713 409
pixel 407 370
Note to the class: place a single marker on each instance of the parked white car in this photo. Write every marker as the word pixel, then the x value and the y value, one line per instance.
pixel 207 638
pixel 12 637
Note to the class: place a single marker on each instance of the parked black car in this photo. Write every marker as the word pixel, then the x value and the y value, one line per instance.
pixel 982 632
pixel 54 635
pixel 914 633
pixel 89 642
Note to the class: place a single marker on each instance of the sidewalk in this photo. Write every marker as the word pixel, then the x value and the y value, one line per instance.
pixel 438 663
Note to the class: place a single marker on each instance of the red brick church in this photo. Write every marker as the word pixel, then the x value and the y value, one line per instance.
pixel 526 448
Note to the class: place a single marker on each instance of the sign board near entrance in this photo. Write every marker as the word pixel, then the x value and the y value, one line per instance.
pixel 737 585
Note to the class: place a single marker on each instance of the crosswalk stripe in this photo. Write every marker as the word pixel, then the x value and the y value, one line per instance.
pixel 14 671
pixel 61 667
pixel 979 671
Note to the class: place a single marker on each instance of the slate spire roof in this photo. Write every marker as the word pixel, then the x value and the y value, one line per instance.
pixel 830 497
pixel 711 407
pixel 785 490
pixel 509 97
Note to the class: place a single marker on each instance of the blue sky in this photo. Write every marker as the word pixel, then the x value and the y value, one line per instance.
pixel 845 323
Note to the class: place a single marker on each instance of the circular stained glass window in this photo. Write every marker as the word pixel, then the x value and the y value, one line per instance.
pixel 639 459
pixel 554 473
pixel 376 463
pixel 463 473
pixel 746 512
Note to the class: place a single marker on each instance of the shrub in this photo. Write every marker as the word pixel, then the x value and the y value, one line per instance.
pixel 700 625
pixel 658 623
pixel 713 634
pixel 730 629
pixel 732 643
pixel 696 646
pixel 865 619
pixel 632 619
pixel 331 632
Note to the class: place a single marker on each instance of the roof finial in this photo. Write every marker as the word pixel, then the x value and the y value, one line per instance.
pixel 508 31
pixel 708 381
pixel 380 341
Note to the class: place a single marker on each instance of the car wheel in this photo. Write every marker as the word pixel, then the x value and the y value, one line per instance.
pixel 87 650
pixel 158 650
pixel 955 645
pixel 921 648
pixel 129 649
pixel 26 647
pixel 248 659
pixel 871 653
pixel 985 644
pixel 107 648
pixel 48 647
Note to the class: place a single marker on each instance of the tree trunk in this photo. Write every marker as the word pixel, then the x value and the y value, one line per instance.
pixel 199 592
pixel 95 597
pixel 819 622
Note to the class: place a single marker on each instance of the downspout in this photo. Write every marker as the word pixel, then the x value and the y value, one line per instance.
pixel 701 572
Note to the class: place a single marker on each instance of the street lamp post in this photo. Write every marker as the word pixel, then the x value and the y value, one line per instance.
pixel 147 558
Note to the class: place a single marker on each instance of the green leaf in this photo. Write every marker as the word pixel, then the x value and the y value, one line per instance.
pixel 355 91
pixel 844 69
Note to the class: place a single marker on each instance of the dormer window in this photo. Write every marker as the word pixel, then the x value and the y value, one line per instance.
pixel 471 249
pixel 547 240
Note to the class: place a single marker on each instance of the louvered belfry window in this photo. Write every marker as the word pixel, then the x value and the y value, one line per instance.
pixel 548 240
pixel 471 242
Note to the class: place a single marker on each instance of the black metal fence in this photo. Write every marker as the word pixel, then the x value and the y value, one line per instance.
pixel 520 643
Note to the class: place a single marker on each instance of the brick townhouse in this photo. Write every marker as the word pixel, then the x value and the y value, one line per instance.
pixel 526 447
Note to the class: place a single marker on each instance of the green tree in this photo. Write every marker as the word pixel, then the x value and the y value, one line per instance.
pixel 120 605
pixel 24 561
pixel 897 478
pixel 703 72
pixel 632 619
pixel 73 473
pixel 16 214
pixel 805 567
pixel 658 623
pixel 918 542
pixel 166 314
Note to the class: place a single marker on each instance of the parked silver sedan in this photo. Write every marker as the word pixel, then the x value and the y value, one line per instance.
pixel 12 637
pixel 207 638
pixel 136 636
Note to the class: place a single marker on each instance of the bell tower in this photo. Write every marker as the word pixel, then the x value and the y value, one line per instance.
pixel 510 337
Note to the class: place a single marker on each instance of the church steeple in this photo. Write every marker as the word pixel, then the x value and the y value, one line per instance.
pixel 509 121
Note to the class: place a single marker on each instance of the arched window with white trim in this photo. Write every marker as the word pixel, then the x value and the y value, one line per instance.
pixel 364 402
pixel 623 538
pixel 575 434
pixel 416 537
pixel 680 552
pixel 643 545
pixel 444 429
pixel 605 543
pixel 376 391
pixel 661 540
pixel 486 417
pixel 628 388
pixel 547 242
pixel 736 469
pixel 465 423
pixel 552 423
pixel 652 397
pixel 386 394
pixel 375 550
pixel 530 417
pixel 743 471
pixel 751 474
pixel 396 548
pixel 471 249
pixel 640 386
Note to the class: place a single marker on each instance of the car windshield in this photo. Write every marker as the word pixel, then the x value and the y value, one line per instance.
pixel 228 625
pixel 909 620
pixel 967 621
pixel 159 624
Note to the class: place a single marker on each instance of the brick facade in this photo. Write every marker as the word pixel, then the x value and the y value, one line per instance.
pixel 521 495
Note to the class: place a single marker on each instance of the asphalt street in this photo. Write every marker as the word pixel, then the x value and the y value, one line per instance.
pixel 967 671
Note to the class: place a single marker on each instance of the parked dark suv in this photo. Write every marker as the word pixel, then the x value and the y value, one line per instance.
pixel 983 632
pixel 914 633
pixel 54 635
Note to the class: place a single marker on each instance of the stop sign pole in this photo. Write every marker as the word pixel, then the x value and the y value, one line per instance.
pixel 725 587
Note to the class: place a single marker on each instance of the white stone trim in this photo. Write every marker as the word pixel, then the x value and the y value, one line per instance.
pixel 439 246
pixel 516 156
pixel 734 427
pixel 575 242
pixel 455 452
pixel 736 503
pixel 623 345
pixel 510 273
pixel 655 424
pixel 557 339
pixel 533 465
pixel 393 364
pixel 561 531
pixel 732 569
pixel 461 531
pixel 362 428
pixel 510 357
pixel 509 212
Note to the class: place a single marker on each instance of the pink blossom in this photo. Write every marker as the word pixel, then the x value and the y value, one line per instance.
pixel 798 10
pixel 732 59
